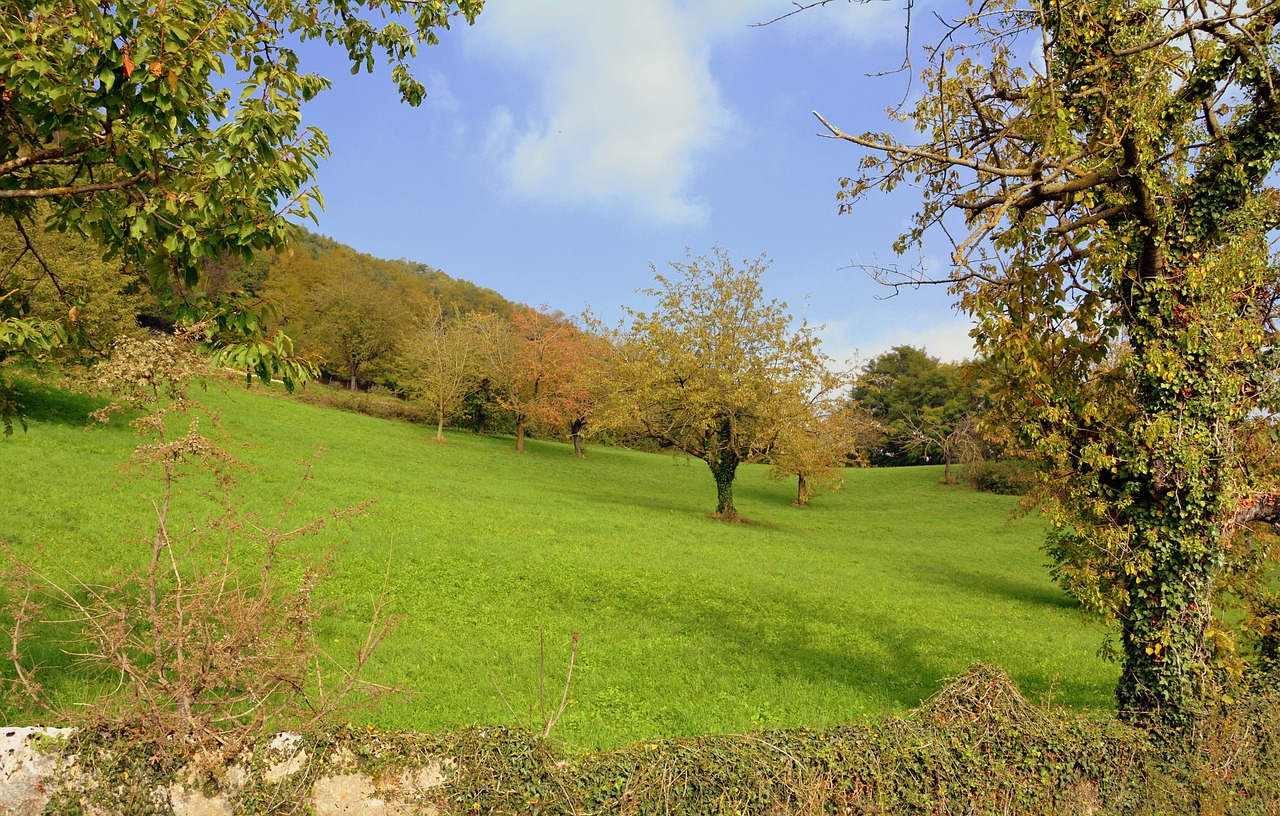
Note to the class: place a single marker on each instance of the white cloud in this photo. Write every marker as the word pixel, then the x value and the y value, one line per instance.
pixel 440 98
pixel 624 103
pixel 619 99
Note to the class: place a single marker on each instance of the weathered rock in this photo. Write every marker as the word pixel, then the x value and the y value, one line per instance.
pixel 287 755
pixel 27 771
pixel 347 795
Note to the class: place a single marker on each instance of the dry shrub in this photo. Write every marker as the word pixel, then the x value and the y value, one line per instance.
pixel 214 639
pixel 377 405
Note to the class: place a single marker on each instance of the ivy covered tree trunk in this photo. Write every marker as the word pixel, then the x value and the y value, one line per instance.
pixel 1120 213
pixel 724 469
pixel 575 433
pixel 723 460
pixel 1188 385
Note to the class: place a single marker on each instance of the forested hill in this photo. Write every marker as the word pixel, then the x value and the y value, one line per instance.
pixel 347 310
pixel 316 264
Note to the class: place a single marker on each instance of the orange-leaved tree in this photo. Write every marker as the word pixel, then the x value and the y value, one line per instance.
pixel 531 362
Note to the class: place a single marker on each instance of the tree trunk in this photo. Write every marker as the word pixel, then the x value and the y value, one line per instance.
pixel 440 426
pixel 1166 680
pixel 802 491
pixel 519 434
pixel 946 469
pixel 724 467
pixel 354 386
pixel 1175 474
pixel 575 433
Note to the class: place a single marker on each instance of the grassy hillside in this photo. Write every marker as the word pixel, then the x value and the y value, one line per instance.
pixel 856 606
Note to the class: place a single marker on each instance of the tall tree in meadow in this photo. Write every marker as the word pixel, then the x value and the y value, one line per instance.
pixel 714 370
pixel 1107 171
pixel 919 403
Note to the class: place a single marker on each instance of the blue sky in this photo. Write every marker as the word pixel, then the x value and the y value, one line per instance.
pixel 566 145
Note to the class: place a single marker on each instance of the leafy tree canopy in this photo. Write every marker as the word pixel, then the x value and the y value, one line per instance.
pixel 171 133
pixel 532 365
pixel 916 400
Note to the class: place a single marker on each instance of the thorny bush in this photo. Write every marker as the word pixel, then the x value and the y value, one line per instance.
pixel 212 637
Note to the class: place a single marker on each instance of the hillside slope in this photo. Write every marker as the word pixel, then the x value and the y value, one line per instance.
pixel 854 607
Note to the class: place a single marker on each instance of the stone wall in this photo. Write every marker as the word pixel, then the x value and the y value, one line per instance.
pixel 35 766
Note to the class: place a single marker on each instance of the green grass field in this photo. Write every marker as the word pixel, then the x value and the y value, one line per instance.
pixel 855 607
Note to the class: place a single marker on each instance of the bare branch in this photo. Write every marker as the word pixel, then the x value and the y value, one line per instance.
pixel 799 7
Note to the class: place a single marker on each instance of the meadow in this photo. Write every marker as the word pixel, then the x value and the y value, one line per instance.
pixel 857 606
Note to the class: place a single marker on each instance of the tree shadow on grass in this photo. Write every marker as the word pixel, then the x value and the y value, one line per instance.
pixel 43 403
pixel 892 669
pixel 1022 591
pixel 893 663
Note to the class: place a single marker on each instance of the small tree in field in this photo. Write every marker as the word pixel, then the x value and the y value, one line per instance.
pixel 587 391
pixel 818 445
pixel 440 362
pixel 715 370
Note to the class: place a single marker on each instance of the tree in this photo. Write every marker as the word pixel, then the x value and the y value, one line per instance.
pixel 354 323
pixel 530 363
pixel 956 441
pixel 68 282
pixel 715 370
pixel 588 387
pixel 1112 204
pixel 818 445
pixel 918 403
pixel 439 362
pixel 170 133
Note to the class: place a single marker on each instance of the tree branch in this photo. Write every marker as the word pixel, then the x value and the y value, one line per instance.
pixel 920 153
pixel 85 189
pixel 12 166
pixel 1264 508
